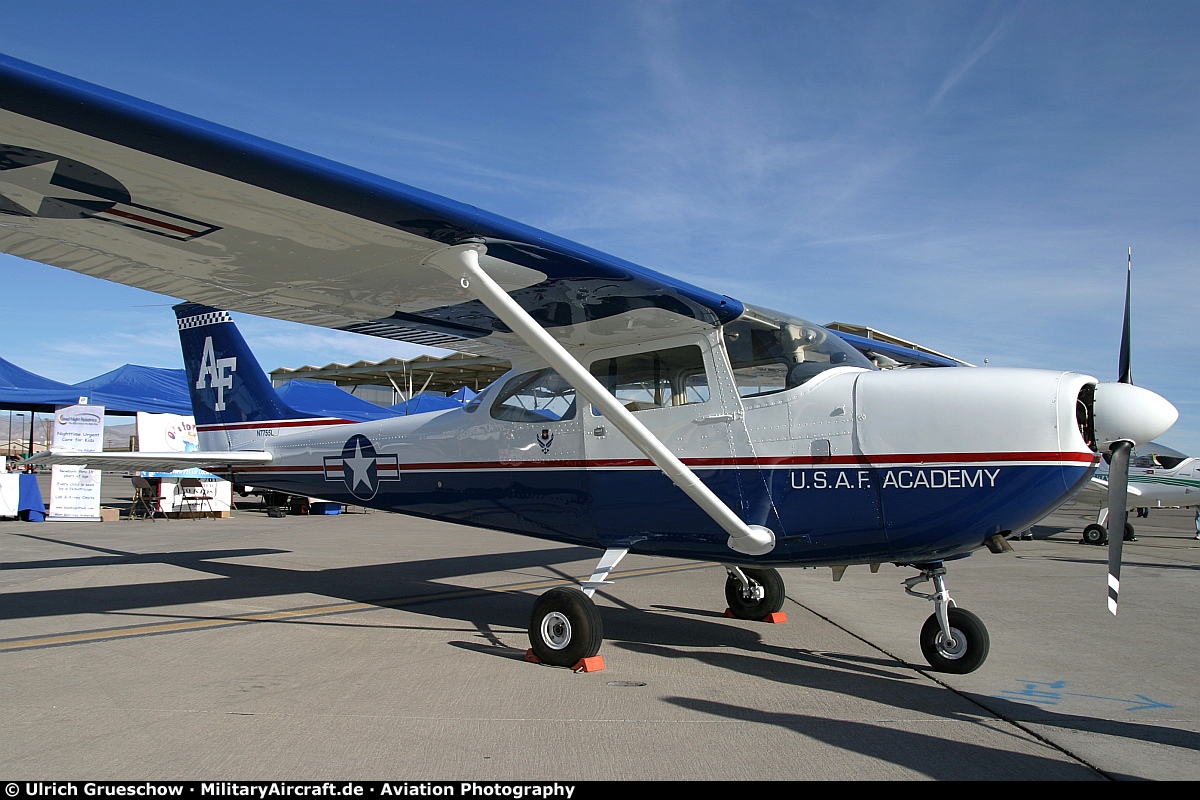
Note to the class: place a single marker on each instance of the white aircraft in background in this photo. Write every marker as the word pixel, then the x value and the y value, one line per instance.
pixel 642 414
pixel 1159 477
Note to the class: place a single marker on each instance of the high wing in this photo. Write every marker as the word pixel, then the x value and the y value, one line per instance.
pixel 110 186
pixel 157 462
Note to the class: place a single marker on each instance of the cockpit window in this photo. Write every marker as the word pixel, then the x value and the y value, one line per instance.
pixel 770 352
pixel 541 396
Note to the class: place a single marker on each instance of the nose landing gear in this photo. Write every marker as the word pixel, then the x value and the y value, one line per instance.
pixel 953 639
pixel 753 593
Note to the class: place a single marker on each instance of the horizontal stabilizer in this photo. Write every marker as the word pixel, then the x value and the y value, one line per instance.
pixel 154 462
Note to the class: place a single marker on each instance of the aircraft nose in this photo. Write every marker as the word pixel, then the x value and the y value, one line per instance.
pixel 1125 412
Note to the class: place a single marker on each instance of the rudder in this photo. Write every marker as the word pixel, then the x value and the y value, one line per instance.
pixel 229 389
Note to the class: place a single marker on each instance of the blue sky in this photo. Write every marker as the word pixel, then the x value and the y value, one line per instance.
pixel 967 175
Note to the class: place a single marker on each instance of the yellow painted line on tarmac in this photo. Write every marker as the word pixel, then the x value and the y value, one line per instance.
pixel 150 629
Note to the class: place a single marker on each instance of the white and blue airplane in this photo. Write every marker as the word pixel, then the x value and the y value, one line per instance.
pixel 1159 477
pixel 642 414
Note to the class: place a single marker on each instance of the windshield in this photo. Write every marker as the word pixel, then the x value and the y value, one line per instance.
pixel 770 352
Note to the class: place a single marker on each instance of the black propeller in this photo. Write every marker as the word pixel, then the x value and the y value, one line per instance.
pixel 1118 470
pixel 1124 415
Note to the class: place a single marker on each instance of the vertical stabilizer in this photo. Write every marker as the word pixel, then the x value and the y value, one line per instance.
pixel 232 398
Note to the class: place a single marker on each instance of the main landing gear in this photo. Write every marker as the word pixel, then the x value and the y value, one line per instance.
pixel 565 629
pixel 952 639
pixel 1097 533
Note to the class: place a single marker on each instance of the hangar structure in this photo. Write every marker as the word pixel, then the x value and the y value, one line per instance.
pixel 396 380
pixel 880 347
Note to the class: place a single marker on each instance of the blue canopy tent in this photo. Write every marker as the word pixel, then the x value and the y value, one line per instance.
pixel 464 395
pixel 22 390
pixel 152 389
pixel 424 403
pixel 326 399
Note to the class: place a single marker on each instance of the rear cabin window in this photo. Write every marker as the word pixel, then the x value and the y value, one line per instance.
pixel 541 396
pixel 658 379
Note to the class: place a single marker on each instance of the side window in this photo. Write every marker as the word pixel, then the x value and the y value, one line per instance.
pixel 541 396
pixel 672 377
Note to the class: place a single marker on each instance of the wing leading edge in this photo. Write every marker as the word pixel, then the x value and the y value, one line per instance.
pixel 117 188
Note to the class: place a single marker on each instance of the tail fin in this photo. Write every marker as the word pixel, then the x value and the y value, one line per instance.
pixel 230 392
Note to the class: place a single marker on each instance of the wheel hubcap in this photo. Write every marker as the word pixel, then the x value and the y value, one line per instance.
pixel 953 648
pixel 556 630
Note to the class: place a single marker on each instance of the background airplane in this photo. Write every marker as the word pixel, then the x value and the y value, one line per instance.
pixel 738 434
pixel 1159 476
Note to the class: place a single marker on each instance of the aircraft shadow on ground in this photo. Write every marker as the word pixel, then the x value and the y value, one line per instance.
pixel 1102 561
pixel 876 680
pixel 937 757
pixel 663 632
pixel 835 672
pixel 404 583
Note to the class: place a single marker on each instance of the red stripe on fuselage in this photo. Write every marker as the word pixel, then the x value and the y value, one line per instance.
pixel 918 459
pixel 279 423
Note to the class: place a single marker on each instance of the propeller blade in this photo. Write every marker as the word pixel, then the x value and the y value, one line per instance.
pixel 1123 367
pixel 1118 480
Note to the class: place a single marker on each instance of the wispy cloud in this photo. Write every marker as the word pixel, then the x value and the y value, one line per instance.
pixel 960 70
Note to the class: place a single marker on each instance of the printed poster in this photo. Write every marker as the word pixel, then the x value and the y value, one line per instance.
pixel 75 491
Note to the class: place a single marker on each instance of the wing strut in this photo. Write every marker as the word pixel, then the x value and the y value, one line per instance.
pixel 462 262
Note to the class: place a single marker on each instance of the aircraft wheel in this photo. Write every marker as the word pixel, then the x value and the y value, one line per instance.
pixel 968 650
pixel 565 627
pixel 1095 534
pixel 1129 537
pixel 773 596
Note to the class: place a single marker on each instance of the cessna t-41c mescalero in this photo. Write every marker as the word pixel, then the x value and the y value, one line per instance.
pixel 642 414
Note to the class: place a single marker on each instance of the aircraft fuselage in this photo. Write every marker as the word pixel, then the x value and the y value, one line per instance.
pixel 853 466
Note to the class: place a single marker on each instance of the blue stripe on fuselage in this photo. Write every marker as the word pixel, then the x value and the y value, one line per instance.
pixel 834 515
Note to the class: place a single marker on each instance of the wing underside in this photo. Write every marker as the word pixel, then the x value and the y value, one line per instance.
pixel 109 186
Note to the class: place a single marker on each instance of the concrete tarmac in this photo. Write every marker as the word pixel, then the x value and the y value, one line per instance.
pixel 379 647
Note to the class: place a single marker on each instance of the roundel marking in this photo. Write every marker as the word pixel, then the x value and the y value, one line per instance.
pixel 34 183
pixel 361 467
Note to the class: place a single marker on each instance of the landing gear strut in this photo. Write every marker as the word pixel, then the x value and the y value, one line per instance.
pixel 565 627
pixel 952 639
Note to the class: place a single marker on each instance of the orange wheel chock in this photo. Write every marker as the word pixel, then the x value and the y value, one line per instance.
pixel 777 618
pixel 589 664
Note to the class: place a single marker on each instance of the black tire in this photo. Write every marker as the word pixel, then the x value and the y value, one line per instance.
pixel 1129 533
pixel 970 647
pixel 565 627
pixel 1095 534
pixel 773 597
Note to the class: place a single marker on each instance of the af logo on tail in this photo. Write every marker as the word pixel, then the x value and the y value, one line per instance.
pixel 213 374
